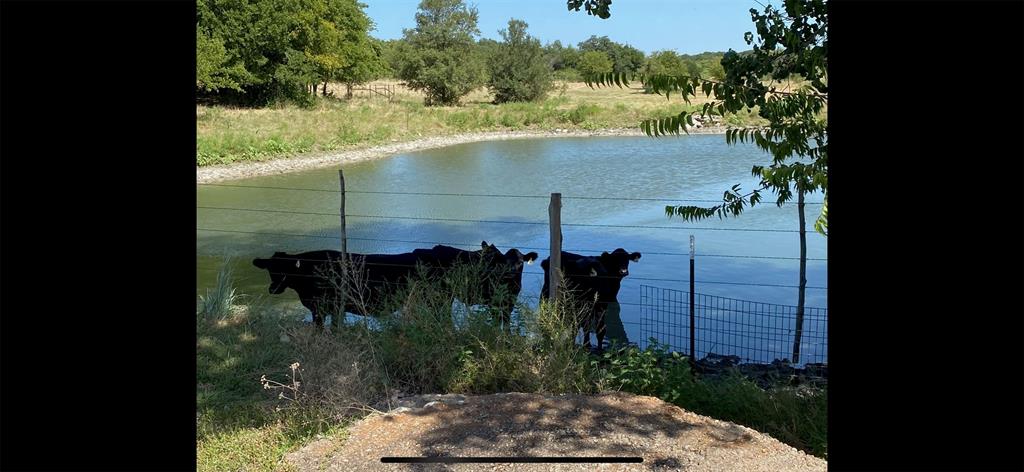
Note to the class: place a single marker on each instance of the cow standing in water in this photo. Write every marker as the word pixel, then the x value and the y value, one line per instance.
pixel 595 279
pixel 316 275
pixel 503 273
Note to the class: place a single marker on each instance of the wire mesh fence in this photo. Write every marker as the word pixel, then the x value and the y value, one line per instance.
pixel 754 332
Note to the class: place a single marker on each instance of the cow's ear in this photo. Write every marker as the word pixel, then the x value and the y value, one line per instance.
pixel 260 263
pixel 545 264
pixel 634 257
pixel 483 244
pixel 530 257
pixel 280 254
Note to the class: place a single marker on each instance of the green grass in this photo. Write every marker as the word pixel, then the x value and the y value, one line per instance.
pixel 226 135
pixel 237 425
pixel 795 416
pixel 244 426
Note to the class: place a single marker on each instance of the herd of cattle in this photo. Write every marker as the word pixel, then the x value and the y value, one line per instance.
pixel 314 277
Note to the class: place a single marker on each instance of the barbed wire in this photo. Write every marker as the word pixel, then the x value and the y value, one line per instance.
pixel 475 195
pixel 535 248
pixel 532 248
pixel 460 220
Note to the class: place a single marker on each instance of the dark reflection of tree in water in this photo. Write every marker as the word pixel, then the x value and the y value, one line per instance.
pixel 615 331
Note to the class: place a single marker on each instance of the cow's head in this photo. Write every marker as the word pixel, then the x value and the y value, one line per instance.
pixel 617 261
pixel 280 266
pixel 515 259
pixel 512 259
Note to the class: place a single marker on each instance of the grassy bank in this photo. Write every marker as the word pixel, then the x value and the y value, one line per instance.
pixel 267 384
pixel 226 135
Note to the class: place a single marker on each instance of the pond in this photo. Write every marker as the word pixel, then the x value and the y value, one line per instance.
pixel 616 187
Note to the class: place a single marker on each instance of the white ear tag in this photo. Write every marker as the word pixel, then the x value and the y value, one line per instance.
pixel 297 263
pixel 529 262
pixel 593 272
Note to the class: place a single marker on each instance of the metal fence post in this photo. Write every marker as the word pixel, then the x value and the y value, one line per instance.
pixel 693 352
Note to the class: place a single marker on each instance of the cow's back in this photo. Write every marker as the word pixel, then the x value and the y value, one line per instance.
pixel 584 285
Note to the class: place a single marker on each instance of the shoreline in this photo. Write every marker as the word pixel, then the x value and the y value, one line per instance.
pixel 282 165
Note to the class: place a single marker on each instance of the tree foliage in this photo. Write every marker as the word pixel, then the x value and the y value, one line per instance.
pixel 599 8
pixel 519 70
pixel 594 63
pixel 264 50
pixel 440 57
pixel 213 71
pixel 625 58
pixel 705 65
pixel 789 41
pixel 562 57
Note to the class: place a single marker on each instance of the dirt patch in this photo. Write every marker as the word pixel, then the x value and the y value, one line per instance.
pixel 522 425
pixel 241 170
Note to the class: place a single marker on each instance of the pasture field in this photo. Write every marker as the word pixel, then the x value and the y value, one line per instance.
pixel 226 134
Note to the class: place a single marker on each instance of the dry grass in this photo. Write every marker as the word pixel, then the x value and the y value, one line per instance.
pixel 227 135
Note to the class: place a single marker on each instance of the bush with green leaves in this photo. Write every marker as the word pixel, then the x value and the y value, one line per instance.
pixel 796 416
pixel 593 63
pixel 439 56
pixel 519 72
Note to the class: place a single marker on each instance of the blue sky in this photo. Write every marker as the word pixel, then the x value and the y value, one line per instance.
pixel 687 26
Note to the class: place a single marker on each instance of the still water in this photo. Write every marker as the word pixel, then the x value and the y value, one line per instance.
pixel 612 172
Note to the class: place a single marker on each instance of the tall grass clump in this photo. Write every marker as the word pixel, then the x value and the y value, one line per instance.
pixel 218 300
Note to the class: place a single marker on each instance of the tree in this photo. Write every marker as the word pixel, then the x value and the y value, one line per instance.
pixel 594 63
pixel 213 71
pixel 274 49
pixel 624 58
pixel 715 70
pixel 562 57
pixel 664 63
pixel 390 56
pixel 440 58
pixel 362 55
pixel 519 71
pixel 793 41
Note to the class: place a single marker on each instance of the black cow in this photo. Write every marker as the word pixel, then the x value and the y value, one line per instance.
pixel 316 277
pixel 593 279
pixel 503 273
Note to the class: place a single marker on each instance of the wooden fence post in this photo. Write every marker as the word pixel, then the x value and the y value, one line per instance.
pixel 555 224
pixel 336 318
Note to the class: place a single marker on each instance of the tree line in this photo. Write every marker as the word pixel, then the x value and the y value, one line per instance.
pixel 266 51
